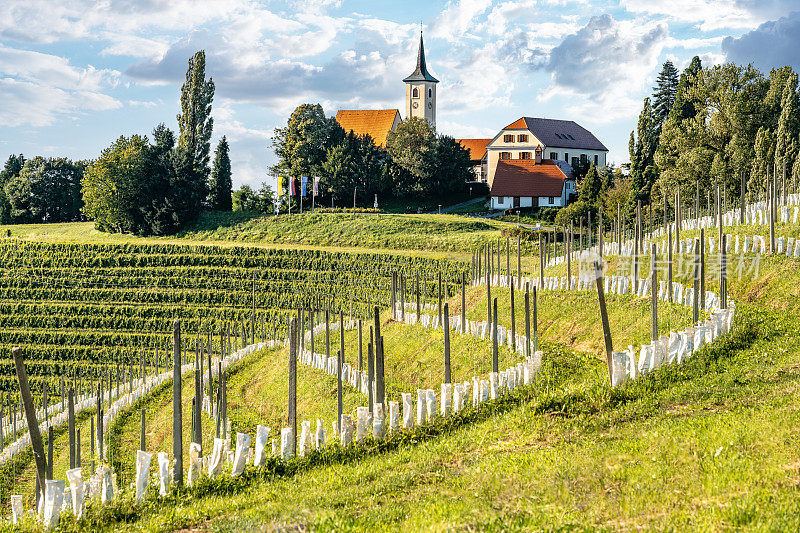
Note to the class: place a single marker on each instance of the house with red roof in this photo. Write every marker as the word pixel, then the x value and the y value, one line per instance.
pixel 536 182
pixel 377 123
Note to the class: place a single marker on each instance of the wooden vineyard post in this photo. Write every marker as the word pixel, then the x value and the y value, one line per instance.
pixel 341 337
pixel 292 418
pixel 339 406
pixel 463 305
pixel 446 344
pixel 678 213
pixel 568 248
pixel 391 296
pixel 78 448
pixel 535 321
pixel 541 262
pixel 419 309
pixel 327 335
pixel 360 347
pixel 669 264
pixel 600 232
pixel 508 260
pixel 719 216
pixel 696 286
pixel 141 435
pixel 440 298
pixel 702 270
pixel 371 370
pixel 741 198
pixel 653 294
pixel 71 425
pixel 601 298
pixel 30 417
pixel 379 376
pixel 177 419
pixel 723 273
pixel 771 196
pixel 519 261
pixel 513 322
pixel 495 351
pixel 252 316
pixel 50 440
pixel 527 323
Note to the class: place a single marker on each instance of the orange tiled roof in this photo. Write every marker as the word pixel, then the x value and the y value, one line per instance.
pixel 475 147
pixel 377 123
pixel 523 177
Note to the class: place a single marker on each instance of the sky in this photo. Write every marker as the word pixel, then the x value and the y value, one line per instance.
pixel 77 74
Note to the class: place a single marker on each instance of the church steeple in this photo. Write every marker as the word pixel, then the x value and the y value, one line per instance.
pixel 421 89
pixel 421 72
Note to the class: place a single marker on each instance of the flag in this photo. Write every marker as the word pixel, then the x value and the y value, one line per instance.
pixel 304 185
pixel 316 186
pixel 293 190
pixel 280 186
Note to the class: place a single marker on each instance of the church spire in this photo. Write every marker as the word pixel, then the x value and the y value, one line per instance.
pixel 421 72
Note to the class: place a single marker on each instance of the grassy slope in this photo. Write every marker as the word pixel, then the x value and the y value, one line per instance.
pixel 709 445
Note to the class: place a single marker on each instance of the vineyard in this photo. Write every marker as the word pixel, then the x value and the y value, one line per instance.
pixel 514 458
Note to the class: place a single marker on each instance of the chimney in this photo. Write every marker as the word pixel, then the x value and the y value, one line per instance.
pixel 539 154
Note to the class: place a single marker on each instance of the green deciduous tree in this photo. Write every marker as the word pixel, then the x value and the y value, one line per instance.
pixel 302 145
pixel 408 145
pixel 11 169
pixel 786 136
pixel 46 190
pixel 221 182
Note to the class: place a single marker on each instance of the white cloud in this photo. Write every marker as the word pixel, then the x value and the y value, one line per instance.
pixel 710 15
pixel 457 18
pixel 37 88
pixel 603 67
pixel 772 44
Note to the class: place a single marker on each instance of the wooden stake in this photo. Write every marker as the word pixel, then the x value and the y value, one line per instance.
pixel 653 294
pixel 535 321
pixel 513 322
pixel 30 417
pixel 463 305
pixel 71 426
pixel 446 344
pixel 669 263
pixel 177 419
pixel 601 298
pixel 702 270
pixel 292 418
pixel 495 351
pixel 141 435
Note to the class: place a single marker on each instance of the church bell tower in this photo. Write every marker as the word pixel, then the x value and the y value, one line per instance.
pixel 421 90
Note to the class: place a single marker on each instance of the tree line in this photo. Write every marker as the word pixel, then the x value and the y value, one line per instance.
pixel 415 163
pixel 701 128
pixel 137 185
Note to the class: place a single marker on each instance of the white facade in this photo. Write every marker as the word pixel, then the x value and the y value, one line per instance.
pixel 521 144
pixel 421 100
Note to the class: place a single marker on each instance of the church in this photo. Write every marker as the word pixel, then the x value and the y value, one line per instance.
pixel 528 163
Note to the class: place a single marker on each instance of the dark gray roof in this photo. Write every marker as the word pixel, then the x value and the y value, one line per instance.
pixel 421 72
pixel 559 133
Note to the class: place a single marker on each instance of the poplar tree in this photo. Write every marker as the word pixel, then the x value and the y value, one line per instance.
pixel 221 183
pixel 195 122
pixel 788 125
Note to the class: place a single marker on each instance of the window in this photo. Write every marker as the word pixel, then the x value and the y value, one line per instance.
pixel 505 155
pixel 508 138
pixel 571 137
pixel 551 200
pixel 574 162
pixel 522 138
pixel 584 159
pixel 595 161
pixel 566 156
pixel 415 92
pixel 554 156
pixel 524 155
pixel 430 92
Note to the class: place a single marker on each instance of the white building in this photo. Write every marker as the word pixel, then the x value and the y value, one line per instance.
pixel 536 182
pixel 562 141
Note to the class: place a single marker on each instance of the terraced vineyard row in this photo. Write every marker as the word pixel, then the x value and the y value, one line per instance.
pixel 81 309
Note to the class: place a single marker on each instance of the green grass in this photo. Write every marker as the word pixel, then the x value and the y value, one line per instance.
pixel 415 232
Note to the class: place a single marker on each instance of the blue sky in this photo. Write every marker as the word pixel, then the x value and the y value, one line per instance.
pixel 75 74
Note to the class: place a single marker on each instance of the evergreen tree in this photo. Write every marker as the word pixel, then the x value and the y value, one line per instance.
pixel 684 104
pixel 642 148
pixel 664 92
pixel 788 126
pixel 590 187
pixel 221 183
pixel 195 125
